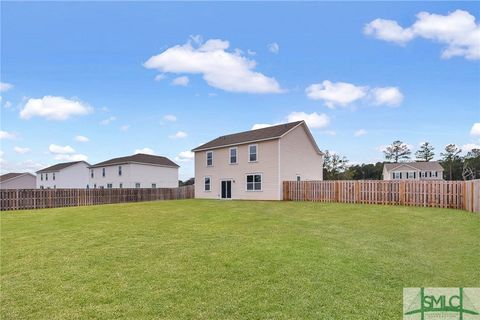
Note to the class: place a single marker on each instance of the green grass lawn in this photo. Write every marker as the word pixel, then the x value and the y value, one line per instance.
pixel 200 259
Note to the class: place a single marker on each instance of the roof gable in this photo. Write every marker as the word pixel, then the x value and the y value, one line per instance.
pixel 139 158
pixel 421 166
pixel 264 134
pixel 61 166
pixel 13 175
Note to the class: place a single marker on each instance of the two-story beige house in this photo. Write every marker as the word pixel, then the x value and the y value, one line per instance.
pixel 431 170
pixel 253 164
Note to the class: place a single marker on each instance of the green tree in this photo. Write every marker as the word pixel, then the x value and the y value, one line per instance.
pixel 397 151
pixel 425 152
pixel 366 171
pixel 334 166
pixel 452 161
pixel 471 164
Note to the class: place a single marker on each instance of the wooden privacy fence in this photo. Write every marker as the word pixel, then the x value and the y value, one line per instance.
pixel 441 194
pixel 53 198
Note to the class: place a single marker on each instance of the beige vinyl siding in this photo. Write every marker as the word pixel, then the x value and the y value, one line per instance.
pixel 266 165
pixel 299 157
pixel 405 169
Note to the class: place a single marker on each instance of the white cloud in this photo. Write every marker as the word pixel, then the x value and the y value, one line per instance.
pixel 388 30
pixel 229 71
pixel 178 135
pixel 170 118
pixel 6 135
pixel 185 156
pixel 21 150
pixel 470 146
pixel 56 149
pixel 458 31
pixel 125 127
pixel 145 150
pixel 54 108
pixel 181 81
pixel 81 139
pixel 475 131
pixel 7 105
pixel 71 157
pixel 274 48
pixel 339 93
pixel 329 133
pixel 260 126
pixel 344 93
pixel 28 165
pixel 4 86
pixel 313 120
pixel 160 77
pixel 108 120
pixel 360 132
pixel 390 96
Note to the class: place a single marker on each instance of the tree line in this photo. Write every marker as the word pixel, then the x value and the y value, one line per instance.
pixel 456 166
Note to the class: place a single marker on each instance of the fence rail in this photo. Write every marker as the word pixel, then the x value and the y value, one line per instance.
pixel 441 194
pixel 54 198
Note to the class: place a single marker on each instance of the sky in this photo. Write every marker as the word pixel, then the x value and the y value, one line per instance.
pixel 97 80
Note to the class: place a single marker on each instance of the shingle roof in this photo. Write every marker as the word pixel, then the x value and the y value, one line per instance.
pixel 139 158
pixel 60 166
pixel 11 175
pixel 269 133
pixel 423 165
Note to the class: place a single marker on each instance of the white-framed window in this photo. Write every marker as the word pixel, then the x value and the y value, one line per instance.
pixel 209 158
pixel 103 172
pixel 120 185
pixel 46 176
pixel 233 155
pixel 119 170
pixel 109 186
pixel 42 187
pixel 88 187
pixel 53 176
pixel 91 173
pixel 252 152
pixel 397 175
pixel 41 176
pixel 436 174
pixel 299 178
pixel 411 175
pixel 137 185
pixel 254 182
pixel 154 185
pixel 95 186
pixel 207 184
pixel 422 174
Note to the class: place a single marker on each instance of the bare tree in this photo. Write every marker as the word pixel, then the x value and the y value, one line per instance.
pixel 425 153
pixel 397 151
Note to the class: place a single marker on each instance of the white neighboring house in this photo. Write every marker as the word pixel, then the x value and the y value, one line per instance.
pixel 431 170
pixel 253 164
pixel 14 180
pixel 64 175
pixel 136 171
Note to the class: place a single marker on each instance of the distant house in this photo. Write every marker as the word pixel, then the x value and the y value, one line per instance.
pixel 253 164
pixel 64 175
pixel 17 180
pixel 431 170
pixel 136 171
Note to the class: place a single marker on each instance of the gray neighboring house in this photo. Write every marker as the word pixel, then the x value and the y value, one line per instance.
pixel 135 171
pixel 64 175
pixel 17 180
pixel 431 170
